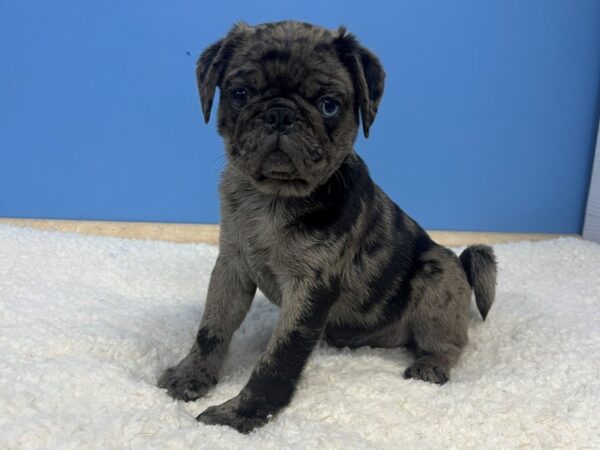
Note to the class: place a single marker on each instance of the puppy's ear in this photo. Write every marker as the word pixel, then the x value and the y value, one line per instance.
pixel 212 64
pixel 367 74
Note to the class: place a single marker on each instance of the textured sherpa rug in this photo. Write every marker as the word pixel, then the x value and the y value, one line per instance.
pixel 87 324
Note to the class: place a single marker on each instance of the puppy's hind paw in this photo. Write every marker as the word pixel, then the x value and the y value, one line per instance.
pixel 423 370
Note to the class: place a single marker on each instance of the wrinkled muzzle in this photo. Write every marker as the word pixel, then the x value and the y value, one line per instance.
pixel 281 149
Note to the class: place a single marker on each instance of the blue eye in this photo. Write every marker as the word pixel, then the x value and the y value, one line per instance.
pixel 328 107
pixel 239 97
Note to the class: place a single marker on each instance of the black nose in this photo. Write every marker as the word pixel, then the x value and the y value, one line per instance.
pixel 279 118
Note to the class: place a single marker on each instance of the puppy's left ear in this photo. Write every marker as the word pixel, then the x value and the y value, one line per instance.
pixel 212 64
pixel 367 74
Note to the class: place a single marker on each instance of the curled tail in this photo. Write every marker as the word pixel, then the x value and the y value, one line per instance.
pixel 479 263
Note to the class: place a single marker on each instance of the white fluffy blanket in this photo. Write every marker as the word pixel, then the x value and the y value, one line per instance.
pixel 87 324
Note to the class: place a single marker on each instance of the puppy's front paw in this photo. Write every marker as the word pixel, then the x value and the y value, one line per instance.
pixel 228 413
pixel 186 382
pixel 426 371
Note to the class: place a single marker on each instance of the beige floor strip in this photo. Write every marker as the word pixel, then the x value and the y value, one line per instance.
pixel 177 232
pixel 172 232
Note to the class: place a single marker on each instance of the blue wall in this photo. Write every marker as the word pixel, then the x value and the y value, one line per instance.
pixel 488 121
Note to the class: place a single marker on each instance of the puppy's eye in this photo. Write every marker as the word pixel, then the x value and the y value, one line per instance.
pixel 239 97
pixel 329 107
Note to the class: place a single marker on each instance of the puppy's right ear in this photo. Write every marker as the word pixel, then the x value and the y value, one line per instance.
pixel 212 65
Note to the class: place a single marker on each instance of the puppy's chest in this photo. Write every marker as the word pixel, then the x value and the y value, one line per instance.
pixel 261 231
pixel 274 253
pixel 262 253
pixel 274 250
pixel 263 242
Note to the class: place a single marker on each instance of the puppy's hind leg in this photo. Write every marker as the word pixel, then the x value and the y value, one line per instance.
pixel 230 294
pixel 438 318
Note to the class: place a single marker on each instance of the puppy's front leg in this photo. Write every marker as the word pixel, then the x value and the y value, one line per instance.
pixel 230 294
pixel 304 311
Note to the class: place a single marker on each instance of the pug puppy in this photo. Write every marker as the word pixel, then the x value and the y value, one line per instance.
pixel 303 221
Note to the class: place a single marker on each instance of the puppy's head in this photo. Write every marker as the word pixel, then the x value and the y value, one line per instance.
pixel 291 95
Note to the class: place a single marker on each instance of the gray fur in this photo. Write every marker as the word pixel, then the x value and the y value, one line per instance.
pixel 302 220
pixel 479 263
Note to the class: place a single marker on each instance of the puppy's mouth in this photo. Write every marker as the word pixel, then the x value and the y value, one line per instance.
pixel 280 177
pixel 281 182
pixel 278 167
